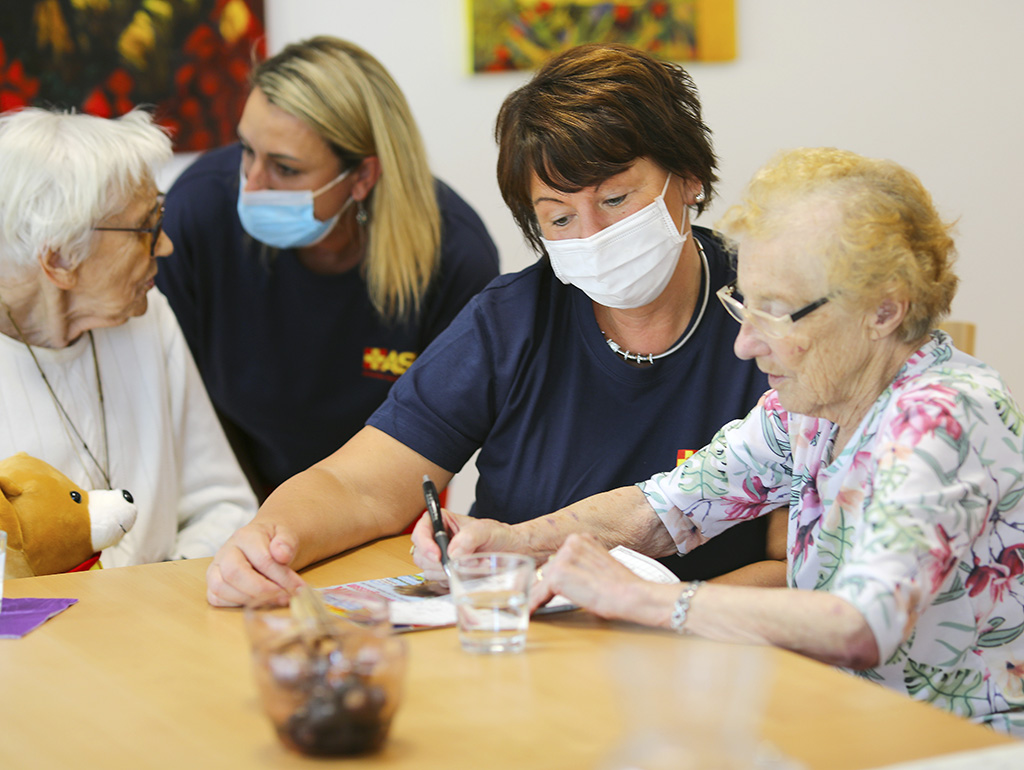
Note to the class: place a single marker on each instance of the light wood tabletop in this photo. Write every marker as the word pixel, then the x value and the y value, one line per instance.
pixel 143 673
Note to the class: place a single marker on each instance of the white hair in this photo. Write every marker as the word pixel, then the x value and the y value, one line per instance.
pixel 62 173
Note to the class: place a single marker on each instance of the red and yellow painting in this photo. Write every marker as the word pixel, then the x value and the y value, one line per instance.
pixel 188 59
pixel 521 34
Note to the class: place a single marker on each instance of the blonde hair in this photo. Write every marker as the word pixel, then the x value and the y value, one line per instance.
pixel 351 101
pixel 889 237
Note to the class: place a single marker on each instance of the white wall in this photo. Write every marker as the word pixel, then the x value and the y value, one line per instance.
pixel 933 84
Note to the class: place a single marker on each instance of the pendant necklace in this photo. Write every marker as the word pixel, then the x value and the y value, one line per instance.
pixel 103 469
pixel 650 358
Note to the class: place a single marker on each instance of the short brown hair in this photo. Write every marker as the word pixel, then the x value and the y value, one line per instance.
pixel 588 114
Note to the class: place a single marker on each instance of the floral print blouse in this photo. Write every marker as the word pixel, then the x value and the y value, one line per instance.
pixel 918 523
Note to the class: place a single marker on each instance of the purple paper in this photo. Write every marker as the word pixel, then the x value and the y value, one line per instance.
pixel 19 616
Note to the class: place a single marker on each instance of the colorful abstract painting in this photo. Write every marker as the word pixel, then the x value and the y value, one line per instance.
pixel 189 59
pixel 520 34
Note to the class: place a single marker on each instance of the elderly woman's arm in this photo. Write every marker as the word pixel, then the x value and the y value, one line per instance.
pixel 648 517
pixel 618 517
pixel 815 624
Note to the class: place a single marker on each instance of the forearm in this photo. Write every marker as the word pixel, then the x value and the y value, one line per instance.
pixel 813 623
pixel 311 505
pixel 617 517
pixel 762 574
pixel 770 573
pixel 370 488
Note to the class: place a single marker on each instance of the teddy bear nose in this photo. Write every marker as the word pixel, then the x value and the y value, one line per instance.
pixel 127 495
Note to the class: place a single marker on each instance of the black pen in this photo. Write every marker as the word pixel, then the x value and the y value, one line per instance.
pixel 434 509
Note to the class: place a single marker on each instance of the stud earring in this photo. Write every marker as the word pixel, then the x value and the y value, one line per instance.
pixel 700 197
pixel 362 217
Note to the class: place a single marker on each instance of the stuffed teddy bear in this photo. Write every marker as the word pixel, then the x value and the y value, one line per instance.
pixel 53 525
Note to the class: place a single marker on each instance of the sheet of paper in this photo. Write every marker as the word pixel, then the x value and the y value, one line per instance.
pixel 409 613
pixel 643 566
pixel 413 612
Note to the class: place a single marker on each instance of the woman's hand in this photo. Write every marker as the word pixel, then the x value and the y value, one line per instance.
pixel 585 573
pixel 467 535
pixel 253 567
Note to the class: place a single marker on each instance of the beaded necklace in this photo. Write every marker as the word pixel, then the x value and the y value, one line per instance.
pixel 650 358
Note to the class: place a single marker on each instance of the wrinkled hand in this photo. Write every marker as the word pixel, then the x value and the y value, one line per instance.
pixel 587 575
pixel 467 535
pixel 252 567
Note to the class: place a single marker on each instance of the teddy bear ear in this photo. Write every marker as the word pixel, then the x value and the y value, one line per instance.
pixel 10 487
pixel 9 522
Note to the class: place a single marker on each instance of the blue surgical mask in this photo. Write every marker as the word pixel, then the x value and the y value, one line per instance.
pixel 284 218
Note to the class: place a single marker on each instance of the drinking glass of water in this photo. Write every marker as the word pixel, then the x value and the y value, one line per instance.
pixel 491 595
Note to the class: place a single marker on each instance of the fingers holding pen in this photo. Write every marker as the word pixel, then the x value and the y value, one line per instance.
pixel 466 535
pixel 425 551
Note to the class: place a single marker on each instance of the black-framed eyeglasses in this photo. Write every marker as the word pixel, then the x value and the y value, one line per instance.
pixel 153 231
pixel 777 326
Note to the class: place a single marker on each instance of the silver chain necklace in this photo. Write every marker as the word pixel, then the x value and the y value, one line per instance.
pixel 650 358
pixel 67 421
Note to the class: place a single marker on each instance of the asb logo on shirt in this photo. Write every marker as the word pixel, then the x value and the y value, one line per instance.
pixel 683 455
pixel 386 364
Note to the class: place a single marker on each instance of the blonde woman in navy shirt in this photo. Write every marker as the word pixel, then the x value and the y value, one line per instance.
pixel 317 257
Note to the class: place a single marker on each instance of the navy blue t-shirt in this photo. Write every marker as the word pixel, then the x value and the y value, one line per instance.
pixel 524 374
pixel 294 361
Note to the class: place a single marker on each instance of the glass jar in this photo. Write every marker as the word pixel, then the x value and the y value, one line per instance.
pixel 329 685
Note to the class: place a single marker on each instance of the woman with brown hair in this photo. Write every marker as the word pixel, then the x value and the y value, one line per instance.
pixel 584 371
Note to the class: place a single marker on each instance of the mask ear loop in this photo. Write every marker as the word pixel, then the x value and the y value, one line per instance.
pixel 333 182
pixel 685 221
pixel 664 187
pixel 345 206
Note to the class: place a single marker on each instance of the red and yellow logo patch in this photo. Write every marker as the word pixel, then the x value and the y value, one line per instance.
pixel 386 364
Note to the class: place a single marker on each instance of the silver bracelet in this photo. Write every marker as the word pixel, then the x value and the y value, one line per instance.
pixel 682 608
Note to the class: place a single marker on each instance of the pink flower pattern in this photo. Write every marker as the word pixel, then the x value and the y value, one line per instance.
pixel 920 526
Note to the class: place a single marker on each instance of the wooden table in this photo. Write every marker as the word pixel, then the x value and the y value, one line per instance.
pixel 142 673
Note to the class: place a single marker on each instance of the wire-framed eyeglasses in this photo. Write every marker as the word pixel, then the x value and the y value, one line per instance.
pixel 153 231
pixel 776 326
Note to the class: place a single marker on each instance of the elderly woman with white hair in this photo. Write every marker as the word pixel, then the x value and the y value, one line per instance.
pixel 900 457
pixel 95 376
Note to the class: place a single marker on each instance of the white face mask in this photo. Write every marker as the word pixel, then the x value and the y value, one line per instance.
pixel 626 265
pixel 284 218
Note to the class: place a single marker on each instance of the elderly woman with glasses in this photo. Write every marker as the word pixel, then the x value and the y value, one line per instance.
pixel 95 376
pixel 900 457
